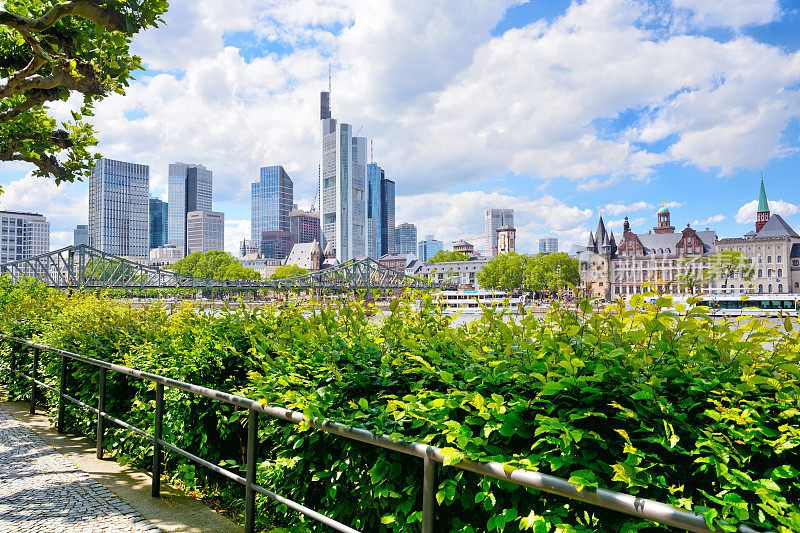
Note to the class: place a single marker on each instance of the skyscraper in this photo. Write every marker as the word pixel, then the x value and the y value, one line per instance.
pixel 205 231
pixel 190 189
pixel 548 245
pixel 406 239
pixel 374 211
pixel 343 195
pixel 428 248
pixel 387 216
pixel 119 221
pixel 80 235
pixel 271 199
pixel 304 226
pixel 23 235
pixel 159 215
pixel 495 219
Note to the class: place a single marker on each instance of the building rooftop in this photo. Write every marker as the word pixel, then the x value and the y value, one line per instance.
pixel 776 227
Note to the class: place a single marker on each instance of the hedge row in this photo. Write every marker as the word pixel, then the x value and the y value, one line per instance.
pixel 659 402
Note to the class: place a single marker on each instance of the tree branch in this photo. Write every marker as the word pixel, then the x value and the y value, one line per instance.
pixel 108 18
pixel 33 99
pixel 47 164
pixel 87 83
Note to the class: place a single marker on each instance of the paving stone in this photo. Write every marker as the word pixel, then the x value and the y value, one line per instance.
pixel 43 491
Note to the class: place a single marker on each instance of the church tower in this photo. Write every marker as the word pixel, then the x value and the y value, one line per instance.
pixel 762 216
pixel 506 237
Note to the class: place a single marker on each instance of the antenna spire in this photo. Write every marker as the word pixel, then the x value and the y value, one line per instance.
pixel 371 158
pixel 329 77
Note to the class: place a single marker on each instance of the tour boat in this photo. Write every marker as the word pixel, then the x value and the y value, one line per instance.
pixel 473 302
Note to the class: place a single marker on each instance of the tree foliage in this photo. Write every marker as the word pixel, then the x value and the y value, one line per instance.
pixel 656 401
pixel 533 274
pixel 52 50
pixel 215 264
pixel 444 255
pixel 288 271
pixel 726 264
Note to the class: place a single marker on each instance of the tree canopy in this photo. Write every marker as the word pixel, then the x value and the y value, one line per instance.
pixel 288 271
pixel 443 255
pixel 726 264
pixel 215 264
pixel 51 50
pixel 541 273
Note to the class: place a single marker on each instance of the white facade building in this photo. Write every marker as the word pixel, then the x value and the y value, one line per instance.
pixel 205 231
pixel 343 195
pixel 119 208
pixel 23 235
pixel 462 272
pixel 166 255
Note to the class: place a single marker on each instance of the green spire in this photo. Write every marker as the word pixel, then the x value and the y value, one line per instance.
pixel 763 206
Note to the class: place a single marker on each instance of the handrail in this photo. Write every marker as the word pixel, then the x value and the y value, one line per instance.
pixel 624 503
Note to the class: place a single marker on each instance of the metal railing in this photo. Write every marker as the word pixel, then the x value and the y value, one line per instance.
pixel 624 503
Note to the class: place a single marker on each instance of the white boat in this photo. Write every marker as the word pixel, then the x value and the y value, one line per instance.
pixel 473 302
pixel 726 302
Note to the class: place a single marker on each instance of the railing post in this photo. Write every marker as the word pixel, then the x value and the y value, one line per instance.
pixel 156 486
pixel 62 390
pixel 101 407
pixel 250 494
pixel 35 376
pixel 428 494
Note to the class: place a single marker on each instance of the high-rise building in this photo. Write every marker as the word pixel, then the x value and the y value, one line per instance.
pixel 190 189
pixel 275 244
pixel 406 239
pixel 304 226
pixel 205 231
pixel 271 199
pixel 80 235
pixel 119 220
pixel 159 215
pixel 548 245
pixel 343 195
pixel 23 235
pixel 375 237
pixel 506 240
pixel 495 219
pixel 387 216
pixel 428 248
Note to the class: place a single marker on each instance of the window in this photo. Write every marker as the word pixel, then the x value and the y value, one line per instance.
pixel 780 288
pixel 760 273
pixel 780 272
pixel 769 259
pixel 760 288
pixel 779 259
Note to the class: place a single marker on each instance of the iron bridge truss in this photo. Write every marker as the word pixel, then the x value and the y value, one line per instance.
pixel 83 267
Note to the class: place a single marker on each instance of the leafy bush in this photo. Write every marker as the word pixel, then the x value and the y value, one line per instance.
pixel 660 402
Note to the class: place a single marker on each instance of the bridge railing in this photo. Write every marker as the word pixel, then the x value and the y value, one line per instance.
pixel 624 503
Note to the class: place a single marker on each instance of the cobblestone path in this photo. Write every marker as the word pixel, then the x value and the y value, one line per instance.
pixel 41 490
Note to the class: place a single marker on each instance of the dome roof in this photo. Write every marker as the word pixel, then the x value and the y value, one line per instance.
pixel 664 209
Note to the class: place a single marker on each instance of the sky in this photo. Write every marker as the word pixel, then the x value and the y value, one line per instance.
pixel 560 110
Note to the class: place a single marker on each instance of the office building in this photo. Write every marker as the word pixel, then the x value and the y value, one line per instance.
pixel 428 248
pixel 271 199
pixel 159 215
pixel 495 219
pixel 80 235
pixel 304 226
pixel 387 215
pixel 205 231
pixel 275 244
pixel 406 239
pixel 190 189
pixel 165 255
pixel 23 235
pixel 343 195
pixel 375 176
pixel 119 220
pixel 548 245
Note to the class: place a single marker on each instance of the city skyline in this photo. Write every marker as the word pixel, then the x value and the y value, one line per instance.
pixel 636 141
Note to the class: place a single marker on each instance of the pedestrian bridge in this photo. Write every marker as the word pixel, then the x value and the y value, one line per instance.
pixel 83 267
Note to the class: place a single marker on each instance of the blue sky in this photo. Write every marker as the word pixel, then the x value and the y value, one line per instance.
pixel 557 109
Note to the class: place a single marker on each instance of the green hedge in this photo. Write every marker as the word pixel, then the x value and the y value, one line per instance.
pixel 661 403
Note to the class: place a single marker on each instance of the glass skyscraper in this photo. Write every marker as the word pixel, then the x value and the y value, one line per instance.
pixel 494 219
pixel 343 192
pixel 159 214
pixel 428 248
pixel 387 216
pixel 374 228
pixel 190 189
pixel 119 221
pixel 23 235
pixel 271 199
pixel 406 239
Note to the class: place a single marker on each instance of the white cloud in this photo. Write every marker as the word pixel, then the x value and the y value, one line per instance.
pixel 30 193
pixel 621 209
pixel 733 13
pixel 235 232
pixel 747 213
pixel 450 217
pixel 715 219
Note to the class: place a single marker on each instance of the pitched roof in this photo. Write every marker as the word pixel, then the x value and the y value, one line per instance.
pixel 776 227
pixel 795 250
